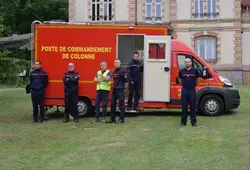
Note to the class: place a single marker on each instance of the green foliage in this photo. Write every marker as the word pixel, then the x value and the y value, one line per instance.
pixel 10 68
pixel 17 15
pixel 16 53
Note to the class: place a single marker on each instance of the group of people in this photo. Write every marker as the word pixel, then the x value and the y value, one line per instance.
pixel 37 85
pixel 131 76
pixel 122 78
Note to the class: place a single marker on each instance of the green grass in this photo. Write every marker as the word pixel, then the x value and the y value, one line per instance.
pixel 4 86
pixel 150 141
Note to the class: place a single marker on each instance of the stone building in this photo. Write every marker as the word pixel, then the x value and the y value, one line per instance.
pixel 218 30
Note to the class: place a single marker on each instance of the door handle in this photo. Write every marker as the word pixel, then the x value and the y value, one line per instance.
pixel 166 69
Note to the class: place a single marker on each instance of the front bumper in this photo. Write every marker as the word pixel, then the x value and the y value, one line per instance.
pixel 232 97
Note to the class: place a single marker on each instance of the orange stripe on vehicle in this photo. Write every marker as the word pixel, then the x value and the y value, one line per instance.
pixel 81 81
pixel 36 50
pixel 203 84
pixel 217 84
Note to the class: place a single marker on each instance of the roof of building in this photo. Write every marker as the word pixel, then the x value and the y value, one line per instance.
pixel 17 41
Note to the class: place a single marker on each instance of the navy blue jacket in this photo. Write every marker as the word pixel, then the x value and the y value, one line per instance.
pixel 70 80
pixel 188 78
pixel 38 80
pixel 134 70
pixel 120 78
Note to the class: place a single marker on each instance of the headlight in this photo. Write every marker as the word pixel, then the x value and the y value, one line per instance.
pixel 225 81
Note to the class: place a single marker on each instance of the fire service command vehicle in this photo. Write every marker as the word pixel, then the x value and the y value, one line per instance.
pixel 57 44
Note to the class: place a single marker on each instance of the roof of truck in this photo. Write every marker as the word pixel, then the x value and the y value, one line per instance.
pixel 177 45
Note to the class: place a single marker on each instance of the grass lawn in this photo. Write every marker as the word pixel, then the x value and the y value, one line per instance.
pixel 150 141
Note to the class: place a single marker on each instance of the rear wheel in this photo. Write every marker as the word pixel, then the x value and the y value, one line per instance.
pixel 211 105
pixel 85 107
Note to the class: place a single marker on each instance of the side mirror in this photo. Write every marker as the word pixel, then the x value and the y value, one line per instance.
pixel 204 72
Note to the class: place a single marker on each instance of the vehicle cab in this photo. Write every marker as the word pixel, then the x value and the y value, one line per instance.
pixel 215 94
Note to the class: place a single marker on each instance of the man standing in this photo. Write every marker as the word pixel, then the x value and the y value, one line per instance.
pixel 120 81
pixel 38 82
pixel 134 75
pixel 103 81
pixel 70 81
pixel 189 78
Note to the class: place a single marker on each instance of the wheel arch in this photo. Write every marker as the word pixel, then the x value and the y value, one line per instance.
pixel 208 91
pixel 90 111
pixel 86 98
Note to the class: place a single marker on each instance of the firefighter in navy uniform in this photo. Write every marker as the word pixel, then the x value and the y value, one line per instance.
pixel 189 78
pixel 120 82
pixel 38 82
pixel 70 81
pixel 134 76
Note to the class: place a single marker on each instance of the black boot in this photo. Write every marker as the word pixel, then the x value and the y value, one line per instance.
pixel 112 120
pixel 194 124
pixel 76 120
pixel 35 119
pixel 136 108
pixel 129 108
pixel 66 118
pixel 119 121
pixel 41 120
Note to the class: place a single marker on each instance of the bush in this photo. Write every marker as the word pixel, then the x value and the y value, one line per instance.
pixel 10 69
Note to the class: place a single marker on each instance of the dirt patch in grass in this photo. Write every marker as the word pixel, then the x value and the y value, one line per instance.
pixel 65 158
pixel 200 137
pixel 146 130
pixel 245 139
pixel 89 128
pixel 218 139
pixel 23 148
pixel 6 136
pixel 245 143
pixel 116 144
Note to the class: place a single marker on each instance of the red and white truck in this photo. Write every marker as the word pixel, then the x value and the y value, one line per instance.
pixel 55 45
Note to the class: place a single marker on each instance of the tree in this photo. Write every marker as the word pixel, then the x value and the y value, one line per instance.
pixel 17 15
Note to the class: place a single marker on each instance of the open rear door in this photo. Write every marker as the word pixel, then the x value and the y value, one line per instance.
pixel 156 76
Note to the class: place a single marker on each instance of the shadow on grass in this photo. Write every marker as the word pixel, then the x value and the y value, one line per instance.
pixel 230 113
pixel 159 113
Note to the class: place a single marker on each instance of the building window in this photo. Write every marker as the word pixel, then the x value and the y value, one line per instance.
pixel 158 11
pixel 205 46
pixel 199 9
pixel 211 8
pixel 95 10
pixel 148 11
pixel 107 10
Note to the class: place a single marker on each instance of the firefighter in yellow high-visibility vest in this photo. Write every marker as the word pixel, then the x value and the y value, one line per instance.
pixel 103 82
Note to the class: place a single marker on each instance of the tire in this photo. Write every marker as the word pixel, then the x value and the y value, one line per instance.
pixel 211 105
pixel 85 108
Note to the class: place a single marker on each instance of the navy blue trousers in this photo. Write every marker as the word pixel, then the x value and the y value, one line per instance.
pixel 117 94
pixel 71 99
pixel 37 100
pixel 188 97
pixel 134 91
pixel 101 96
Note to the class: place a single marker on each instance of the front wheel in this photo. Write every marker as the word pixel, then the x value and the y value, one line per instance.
pixel 211 105
pixel 84 108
